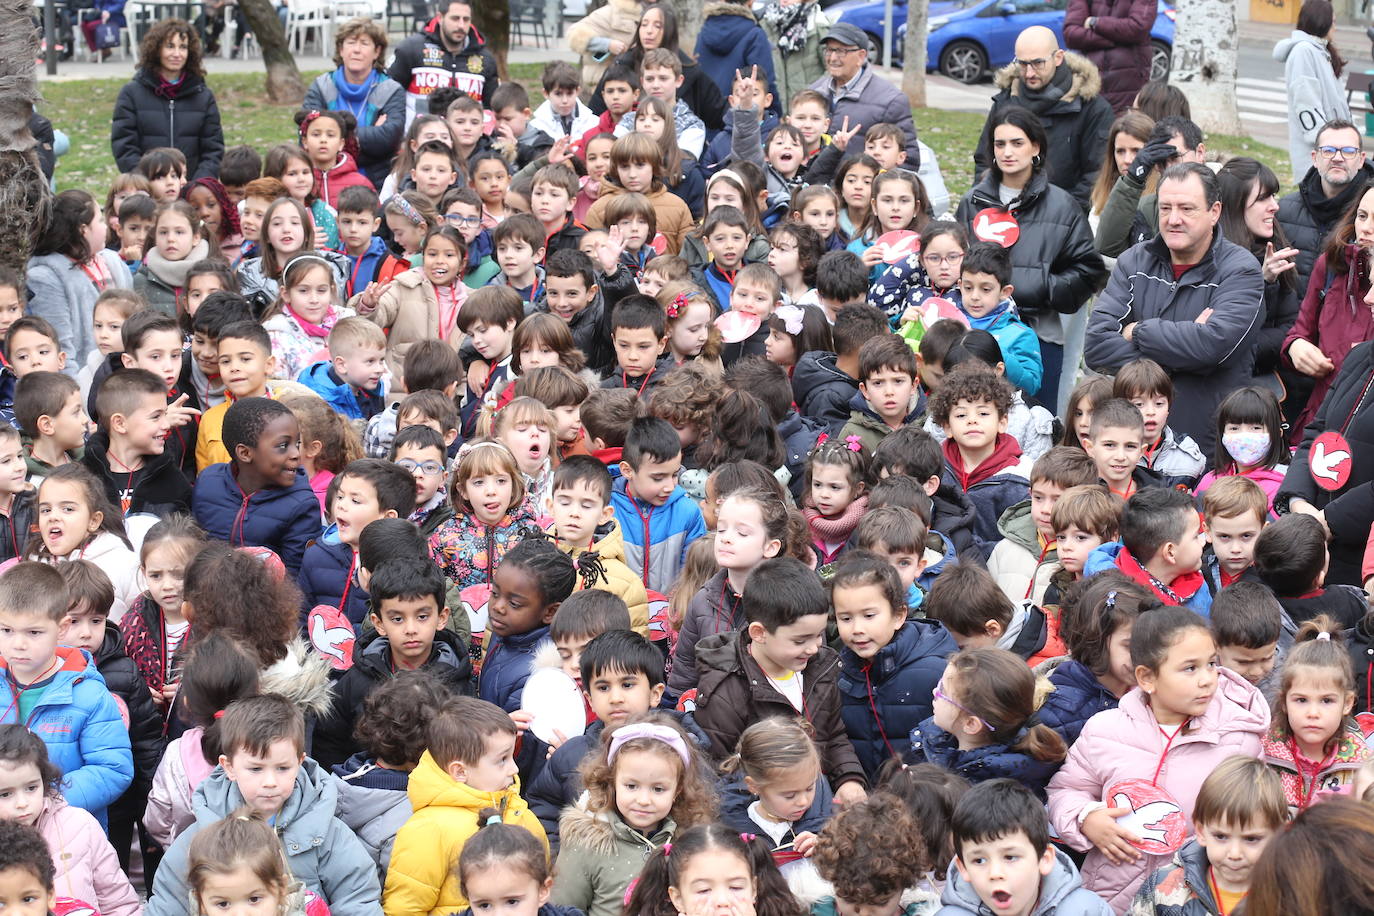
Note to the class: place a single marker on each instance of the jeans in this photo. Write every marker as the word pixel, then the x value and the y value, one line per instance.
pixel 1052 359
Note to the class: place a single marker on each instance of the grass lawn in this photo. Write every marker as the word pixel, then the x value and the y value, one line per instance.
pixel 83 108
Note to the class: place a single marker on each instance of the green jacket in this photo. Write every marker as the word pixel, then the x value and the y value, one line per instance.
pixel 599 857
pixel 1124 210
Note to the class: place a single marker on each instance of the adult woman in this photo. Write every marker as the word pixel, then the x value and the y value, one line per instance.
pixel 1128 134
pixel 1248 207
pixel 794 28
pixel 69 269
pixel 604 33
pixel 357 84
pixel 658 29
pixel 1312 73
pixel 167 103
pixel 1055 267
pixel 1333 316
pixel 1319 865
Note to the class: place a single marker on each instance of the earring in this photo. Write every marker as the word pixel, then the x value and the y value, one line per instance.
pixel 1035 161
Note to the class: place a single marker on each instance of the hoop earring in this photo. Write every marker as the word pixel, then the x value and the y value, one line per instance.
pixel 1035 161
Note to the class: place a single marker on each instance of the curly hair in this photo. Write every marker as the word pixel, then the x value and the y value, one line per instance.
pixel 150 47
pixel 930 793
pixel 856 854
pixel 741 428
pixel 687 395
pixel 234 592
pixel 394 726
pixel 974 382
pixel 695 801
pixel 24 848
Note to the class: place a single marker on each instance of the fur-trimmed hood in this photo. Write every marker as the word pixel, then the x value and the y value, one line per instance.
pixel 1087 82
pixel 727 9
pixel 601 834
pixel 302 677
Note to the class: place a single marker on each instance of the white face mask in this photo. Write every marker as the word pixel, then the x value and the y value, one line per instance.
pixel 1247 448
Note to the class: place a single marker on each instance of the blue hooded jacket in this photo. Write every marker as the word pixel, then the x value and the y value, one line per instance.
pixel 932 743
pixel 1105 557
pixel 1020 346
pixel 897 686
pixel 731 39
pixel 735 799
pixel 327 573
pixel 284 519
pixel 363 269
pixel 79 721
pixel 948 557
pixel 338 394
pixel 656 537
pixel 1078 696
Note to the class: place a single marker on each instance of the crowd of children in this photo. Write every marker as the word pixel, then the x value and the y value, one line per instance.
pixel 313 530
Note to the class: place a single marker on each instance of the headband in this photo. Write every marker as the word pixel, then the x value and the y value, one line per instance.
pixel 468 448
pixel 669 736
pixel 305 257
pixel 731 174
pixel 408 210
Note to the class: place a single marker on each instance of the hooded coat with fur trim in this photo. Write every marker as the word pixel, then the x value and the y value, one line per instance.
pixel 1076 116
pixel 592 35
pixel 600 857
pixel 302 677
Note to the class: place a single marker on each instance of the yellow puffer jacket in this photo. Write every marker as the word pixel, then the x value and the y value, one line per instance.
pixel 619 579
pixel 423 878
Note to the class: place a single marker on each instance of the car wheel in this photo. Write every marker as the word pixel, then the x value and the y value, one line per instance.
pixel 1161 56
pixel 878 54
pixel 964 61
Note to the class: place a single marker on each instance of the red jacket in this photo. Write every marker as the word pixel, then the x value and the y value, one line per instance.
pixel 344 174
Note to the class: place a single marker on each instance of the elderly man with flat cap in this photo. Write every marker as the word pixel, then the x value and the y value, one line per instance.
pixel 860 94
pixel 1065 90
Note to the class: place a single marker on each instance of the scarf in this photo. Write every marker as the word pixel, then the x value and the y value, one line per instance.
pixel 173 273
pixel 168 90
pixel 1042 100
pixel 832 530
pixel 790 23
pixel 354 98
pixel 321 331
pixel 986 322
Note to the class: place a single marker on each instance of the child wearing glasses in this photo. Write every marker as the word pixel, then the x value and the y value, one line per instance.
pixel 933 272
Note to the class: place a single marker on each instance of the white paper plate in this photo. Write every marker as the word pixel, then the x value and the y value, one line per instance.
pixel 554 701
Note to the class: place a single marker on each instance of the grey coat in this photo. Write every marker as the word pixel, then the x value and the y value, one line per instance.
pixel 61 293
pixel 870 100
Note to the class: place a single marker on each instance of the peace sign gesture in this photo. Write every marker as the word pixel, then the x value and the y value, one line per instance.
pixel 842 136
pixel 745 91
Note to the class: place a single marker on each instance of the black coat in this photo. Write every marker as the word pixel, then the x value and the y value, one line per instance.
pixel 822 392
pixel 189 121
pixel 145 722
pixel 15 527
pixel 1307 215
pixel 158 488
pixel 1118 43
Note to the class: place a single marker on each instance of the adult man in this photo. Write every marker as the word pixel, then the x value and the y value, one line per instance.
pixel 1065 91
pixel 1127 218
pixel 1338 176
pixel 1188 299
pixel 859 94
pixel 1115 36
pixel 449 52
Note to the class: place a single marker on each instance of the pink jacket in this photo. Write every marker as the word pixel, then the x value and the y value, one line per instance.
pixel 182 768
pixel 87 868
pixel 1126 743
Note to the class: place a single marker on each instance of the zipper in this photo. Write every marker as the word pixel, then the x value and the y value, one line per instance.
pixel 172 122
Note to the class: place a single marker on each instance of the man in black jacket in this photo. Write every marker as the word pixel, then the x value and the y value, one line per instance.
pixel 1188 299
pixel 449 52
pixel 1335 180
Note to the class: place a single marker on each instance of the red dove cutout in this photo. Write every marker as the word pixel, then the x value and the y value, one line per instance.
pixel 1155 816
pixel 998 226
pixel 1330 460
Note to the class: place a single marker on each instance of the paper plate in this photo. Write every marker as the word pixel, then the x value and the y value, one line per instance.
pixel 1156 817
pixel 737 326
pixel 898 245
pixel 554 701
pixel 332 636
pixel 488 121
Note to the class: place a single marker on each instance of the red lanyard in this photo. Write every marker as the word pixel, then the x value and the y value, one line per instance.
pixel 20 688
pixel 1167 744
pixel 1358 403
pixel 1152 451
pixel 1130 488
pixel 734 608
pixel 1216 892
pixel 625 380
pixel 1307 789
pixel 1031 587
pixel 348 584
pixel 97 272
pixel 353 276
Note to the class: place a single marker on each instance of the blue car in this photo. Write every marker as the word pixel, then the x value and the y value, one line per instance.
pixel 969 38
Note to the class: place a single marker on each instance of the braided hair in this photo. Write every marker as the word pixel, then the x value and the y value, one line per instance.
pixel 556 572
pixel 229 214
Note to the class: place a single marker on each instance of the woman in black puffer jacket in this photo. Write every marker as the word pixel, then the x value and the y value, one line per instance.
pixel 167 103
pixel 1055 267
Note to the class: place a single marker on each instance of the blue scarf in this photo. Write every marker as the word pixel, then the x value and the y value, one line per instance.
pixel 988 321
pixel 354 98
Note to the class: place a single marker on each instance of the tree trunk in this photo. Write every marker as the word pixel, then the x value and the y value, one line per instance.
pixel 689 16
pixel 914 52
pixel 1204 62
pixel 284 83
pixel 492 21
pixel 25 200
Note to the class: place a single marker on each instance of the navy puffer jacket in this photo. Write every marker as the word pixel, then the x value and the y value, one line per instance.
pixel 189 121
pixel 929 742
pixel 284 519
pixel 1078 696
pixel 735 799
pixel 327 574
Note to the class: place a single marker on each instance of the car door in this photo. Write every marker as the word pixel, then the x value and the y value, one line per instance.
pixel 1009 18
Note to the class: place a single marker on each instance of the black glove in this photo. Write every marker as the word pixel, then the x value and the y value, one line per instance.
pixel 1152 154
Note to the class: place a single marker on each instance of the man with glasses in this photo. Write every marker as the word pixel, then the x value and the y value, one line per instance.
pixel 1065 91
pixel 1130 216
pixel 857 93
pixel 1336 179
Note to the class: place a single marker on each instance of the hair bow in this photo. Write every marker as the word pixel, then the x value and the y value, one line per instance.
pixel 853 444
pixel 748 837
pixel 792 317
pixel 305 123
pixel 822 439
pixel 677 305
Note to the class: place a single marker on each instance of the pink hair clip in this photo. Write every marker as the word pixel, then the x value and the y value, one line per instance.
pixel 677 305
pixel 853 444
pixel 748 837
pixel 822 439
pixel 667 850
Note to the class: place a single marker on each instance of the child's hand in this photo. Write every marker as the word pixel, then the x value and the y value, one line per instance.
pixel 169 693
pixel 912 313
pixel 522 720
pixel 504 132
pixel 617 46
pixel 178 414
pixel 609 251
pixel 1111 839
pixel 131 252
pixel 841 137
pixel 850 793
pixel 873 256
pixel 372 295
pixel 745 90
pixel 805 843
pixel 558 153
pixel 477 375
pixel 381 119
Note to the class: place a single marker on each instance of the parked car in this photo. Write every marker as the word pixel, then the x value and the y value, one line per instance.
pixel 971 38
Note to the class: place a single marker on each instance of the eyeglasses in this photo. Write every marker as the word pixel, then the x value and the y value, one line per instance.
pixel 1037 63
pixel 941 695
pixel 1346 152
pixel 937 259
pixel 453 219
pixel 833 51
pixel 428 468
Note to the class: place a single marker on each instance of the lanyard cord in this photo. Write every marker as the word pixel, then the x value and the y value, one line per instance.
pixel 1167 744
pixel 868 687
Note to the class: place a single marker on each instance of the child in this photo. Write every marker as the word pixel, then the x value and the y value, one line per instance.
pixel 237 860
pixel 287 231
pixel 562 392
pixel 178 242
pixel 889 397
pixel 898 536
pixel 645 784
pixel 1291 558
pixel 776 665
pixel 751 527
pixel 138 471
pixel 597 158
pixel 165 170
pixel 1145 384
pixel 818 206
pixel 462 209
pixel 290 165
pixel 240 167
pixel 31 346
pixel 306 310
pixel 409 632
pixel 1090 517
pixel 217 312
pixel 1314 744
pixel 87 869
pixel 260 497
pixel 977 613
pixel 488 496
pixel 52 415
pixel 755 293
pixel 217 214
pixel 573 294
pixel 113 307
pixel 489 320
pixel 419 451
pixel 520 249
pixel 1097 622
pixel 825 383
pixel 467 767
pixel 639 333
pixel 72 711
pixel 369 259
pixel 712 861
pixel 364 491
pixel 1239 809
pixel 1078 413
pixel 1004 861
pixel 637 166
pixel 1252 630
pixel 899 203
pixel 326 136
pixel 1115 441
pixel 660 75
pixel 409 216
pixel 834 501
pixel 502 864
pixel 328 442
pixel 155 628
pixel 889 665
pixel 1235 510
pixel 422 129
pixel 1181 695
pixel 525 426
pixel 656 516
pixel 135 217
pixel 351 380
pixel 18 498
pixel 971 405
pixel 263 767
pixel 1162 537
pixel 795 250
pixel 490 178
pixel 436 169
pixel 726 236
pixel 985 298
pixel 634 215
pixel 540 341
pixel 867 871
pixel 258 196
pixel 155 342
pixel 1026 558
pixel 551 202
pixel 1250 443
pixel 423 303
